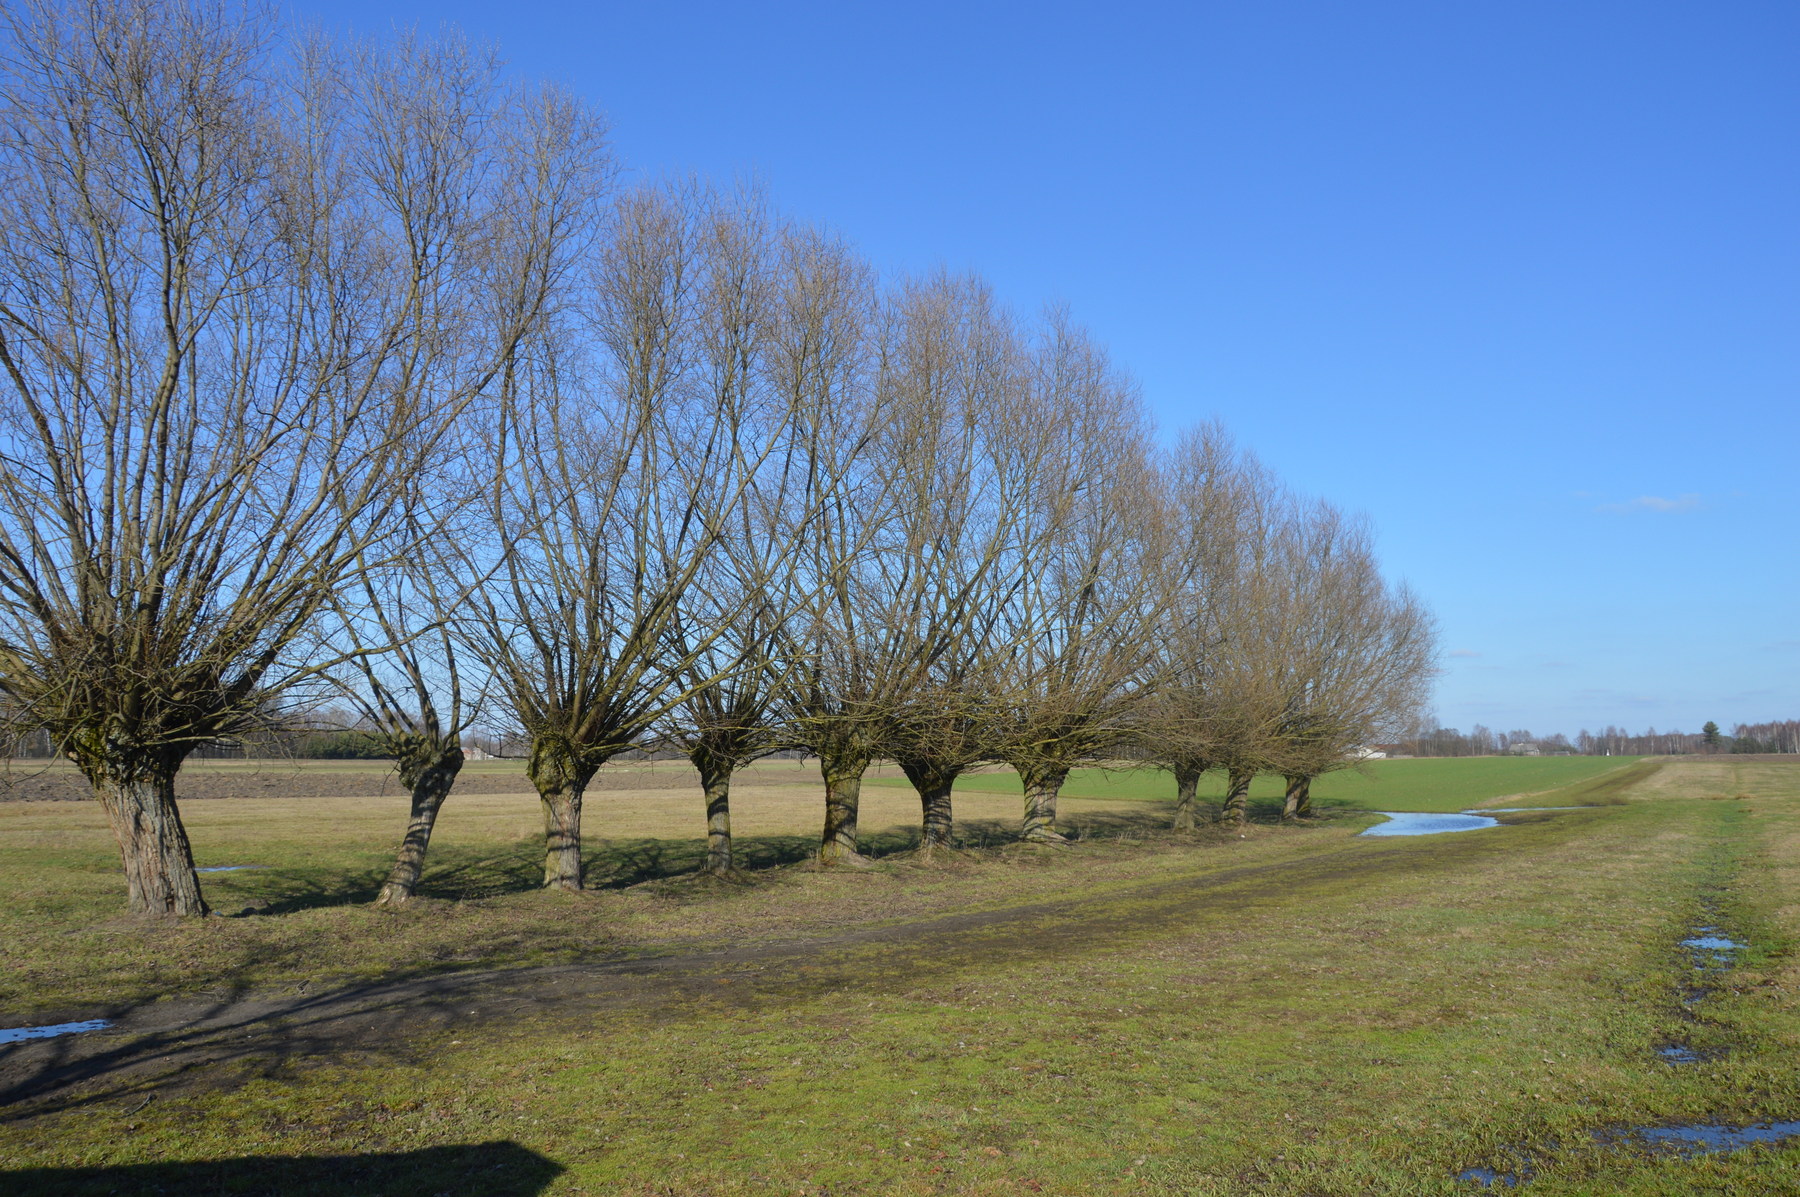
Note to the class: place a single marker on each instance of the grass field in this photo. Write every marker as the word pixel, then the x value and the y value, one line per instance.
pixel 1422 784
pixel 1296 1012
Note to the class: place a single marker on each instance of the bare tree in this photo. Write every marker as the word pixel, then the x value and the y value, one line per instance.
pixel 202 317
pixel 1216 704
pixel 731 627
pixel 1358 654
pixel 620 479
pixel 1097 572
pixel 490 187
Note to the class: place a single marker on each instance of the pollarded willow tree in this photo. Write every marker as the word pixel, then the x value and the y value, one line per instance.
pixel 1359 654
pixel 470 164
pixel 618 482
pixel 1227 636
pixel 207 315
pixel 1076 649
pixel 759 292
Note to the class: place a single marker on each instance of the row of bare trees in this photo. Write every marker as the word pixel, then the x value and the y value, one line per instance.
pixel 351 365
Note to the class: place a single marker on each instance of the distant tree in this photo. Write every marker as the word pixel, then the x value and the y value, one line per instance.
pixel 1709 735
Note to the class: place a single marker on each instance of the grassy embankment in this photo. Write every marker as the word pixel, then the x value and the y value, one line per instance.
pixel 1297 1012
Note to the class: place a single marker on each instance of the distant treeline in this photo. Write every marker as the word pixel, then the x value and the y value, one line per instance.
pixel 1779 737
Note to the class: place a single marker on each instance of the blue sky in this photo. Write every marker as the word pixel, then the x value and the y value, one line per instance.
pixel 1521 280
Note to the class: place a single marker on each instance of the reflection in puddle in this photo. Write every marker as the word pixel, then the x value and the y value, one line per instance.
pixel 1411 823
pixel 1713 943
pixel 15 1034
pixel 1675 1053
pixel 229 868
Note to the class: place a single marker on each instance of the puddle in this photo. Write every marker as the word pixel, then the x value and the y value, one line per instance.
pixel 15 1034
pixel 1413 823
pixel 1685 1141
pixel 1487 1178
pixel 229 868
pixel 1713 943
pixel 1675 1053
pixel 1700 1140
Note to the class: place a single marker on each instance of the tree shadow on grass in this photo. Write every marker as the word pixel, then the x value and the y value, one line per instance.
pixel 621 863
pixel 501 1168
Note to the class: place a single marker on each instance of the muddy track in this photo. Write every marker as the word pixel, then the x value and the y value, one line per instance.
pixel 195 1042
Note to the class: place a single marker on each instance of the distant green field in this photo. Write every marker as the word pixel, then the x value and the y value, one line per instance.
pixel 1421 784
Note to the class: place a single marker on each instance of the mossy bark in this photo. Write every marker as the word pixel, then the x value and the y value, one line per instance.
pixel 561 777
pixel 843 792
pixel 1043 781
pixel 1298 804
pixel 136 788
pixel 428 769
pixel 934 784
pixel 1187 789
pixel 1237 797
pixel 715 785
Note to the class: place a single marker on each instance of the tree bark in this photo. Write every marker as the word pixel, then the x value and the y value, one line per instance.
pixel 139 801
pixel 560 780
pixel 715 784
pixel 1299 798
pixel 1187 787
pixel 430 778
pixel 1042 783
pixel 934 785
pixel 843 774
pixel 1237 797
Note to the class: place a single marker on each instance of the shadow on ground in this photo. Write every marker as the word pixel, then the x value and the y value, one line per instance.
pixel 501 1168
pixel 619 864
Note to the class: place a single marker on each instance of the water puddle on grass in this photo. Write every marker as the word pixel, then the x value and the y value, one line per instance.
pixel 1693 1140
pixel 1412 823
pixel 16 1034
pixel 231 869
pixel 1688 1141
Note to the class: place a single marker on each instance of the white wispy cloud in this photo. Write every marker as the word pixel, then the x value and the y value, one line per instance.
pixel 1654 503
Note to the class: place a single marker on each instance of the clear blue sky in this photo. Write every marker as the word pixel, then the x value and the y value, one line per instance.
pixel 1520 279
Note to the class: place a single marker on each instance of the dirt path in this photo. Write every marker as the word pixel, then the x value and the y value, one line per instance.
pixel 199 1042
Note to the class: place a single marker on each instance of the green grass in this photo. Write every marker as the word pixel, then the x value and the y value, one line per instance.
pixel 1421 784
pixel 1294 1014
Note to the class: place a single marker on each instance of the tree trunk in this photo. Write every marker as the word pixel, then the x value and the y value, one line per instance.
pixel 843 773
pixel 934 784
pixel 1042 783
pixel 560 780
pixel 1237 797
pixel 430 779
pixel 715 784
pixel 1299 798
pixel 159 864
pixel 1187 787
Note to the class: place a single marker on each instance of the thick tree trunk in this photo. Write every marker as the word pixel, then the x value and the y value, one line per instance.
pixel 1298 803
pixel 934 784
pixel 159 864
pixel 1042 783
pixel 560 780
pixel 1299 798
pixel 430 778
pixel 1237 797
pixel 843 774
pixel 1187 788
pixel 715 784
